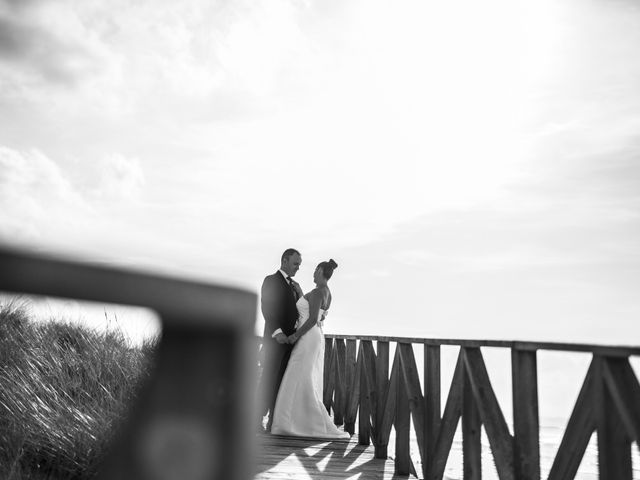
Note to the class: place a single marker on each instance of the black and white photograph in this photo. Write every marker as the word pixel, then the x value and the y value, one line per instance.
pixel 277 239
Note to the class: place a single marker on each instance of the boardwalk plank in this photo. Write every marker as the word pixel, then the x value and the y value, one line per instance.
pixel 284 458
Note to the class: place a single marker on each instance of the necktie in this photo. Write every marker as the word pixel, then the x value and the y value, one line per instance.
pixel 290 281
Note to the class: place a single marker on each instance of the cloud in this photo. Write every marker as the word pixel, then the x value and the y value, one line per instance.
pixel 582 68
pixel 100 210
pixel 580 223
pixel 41 52
pixel 13 38
pixel 116 178
pixel 284 112
pixel 174 61
pixel 35 193
pixel 28 172
pixel 41 203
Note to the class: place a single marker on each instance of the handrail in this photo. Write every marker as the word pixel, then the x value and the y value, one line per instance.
pixel 358 385
pixel 615 350
pixel 201 387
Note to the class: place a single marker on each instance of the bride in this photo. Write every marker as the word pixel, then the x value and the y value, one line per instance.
pixel 299 409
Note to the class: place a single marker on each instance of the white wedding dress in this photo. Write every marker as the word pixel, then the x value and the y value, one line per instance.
pixel 299 409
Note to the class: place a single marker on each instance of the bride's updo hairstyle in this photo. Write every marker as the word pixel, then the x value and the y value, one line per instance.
pixel 328 268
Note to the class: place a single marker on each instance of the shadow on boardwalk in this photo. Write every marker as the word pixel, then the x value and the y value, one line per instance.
pixel 279 457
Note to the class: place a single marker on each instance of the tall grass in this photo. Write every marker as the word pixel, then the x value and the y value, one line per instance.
pixel 63 389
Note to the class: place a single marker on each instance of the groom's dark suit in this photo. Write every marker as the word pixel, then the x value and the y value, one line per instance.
pixel 278 304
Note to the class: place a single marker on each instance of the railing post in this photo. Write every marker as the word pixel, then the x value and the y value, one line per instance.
pixel 614 446
pixel 382 382
pixel 471 429
pixel 328 348
pixel 330 362
pixel 339 400
pixel 364 421
pixel 403 464
pixel 352 389
pixel 526 428
pixel 432 395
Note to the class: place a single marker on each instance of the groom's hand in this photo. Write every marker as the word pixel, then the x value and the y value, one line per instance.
pixel 281 338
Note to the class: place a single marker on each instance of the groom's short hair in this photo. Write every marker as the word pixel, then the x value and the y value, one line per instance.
pixel 288 252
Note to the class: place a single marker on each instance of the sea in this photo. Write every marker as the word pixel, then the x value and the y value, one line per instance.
pixel 550 437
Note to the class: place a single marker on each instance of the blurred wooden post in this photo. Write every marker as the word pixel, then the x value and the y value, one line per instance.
pixel 193 417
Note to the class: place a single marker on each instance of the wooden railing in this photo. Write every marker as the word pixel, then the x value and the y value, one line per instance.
pixel 357 384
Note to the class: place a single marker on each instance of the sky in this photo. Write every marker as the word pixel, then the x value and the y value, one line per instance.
pixel 473 167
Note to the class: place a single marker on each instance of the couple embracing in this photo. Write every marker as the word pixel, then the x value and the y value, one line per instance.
pixel 293 352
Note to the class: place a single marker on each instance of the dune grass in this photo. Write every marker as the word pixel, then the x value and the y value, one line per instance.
pixel 63 389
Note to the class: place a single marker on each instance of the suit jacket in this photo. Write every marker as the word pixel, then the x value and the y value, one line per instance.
pixel 278 304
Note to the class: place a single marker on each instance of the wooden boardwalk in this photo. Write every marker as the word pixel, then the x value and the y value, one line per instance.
pixel 289 458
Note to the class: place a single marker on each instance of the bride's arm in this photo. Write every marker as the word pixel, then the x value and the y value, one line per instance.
pixel 315 301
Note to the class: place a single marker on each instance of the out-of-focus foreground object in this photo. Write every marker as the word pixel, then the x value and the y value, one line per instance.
pixel 192 418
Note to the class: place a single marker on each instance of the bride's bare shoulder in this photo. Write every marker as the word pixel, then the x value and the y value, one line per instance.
pixel 323 294
pixel 320 292
pixel 320 296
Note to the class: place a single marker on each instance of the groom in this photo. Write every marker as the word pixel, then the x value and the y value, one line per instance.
pixel 278 303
